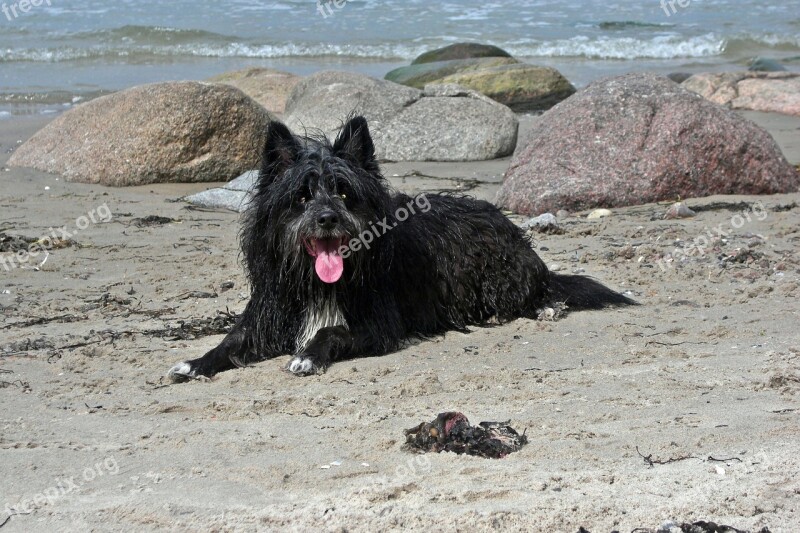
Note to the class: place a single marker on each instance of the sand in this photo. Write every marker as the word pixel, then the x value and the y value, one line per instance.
pixel 703 378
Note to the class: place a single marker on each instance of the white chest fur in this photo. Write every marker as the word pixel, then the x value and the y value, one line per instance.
pixel 322 313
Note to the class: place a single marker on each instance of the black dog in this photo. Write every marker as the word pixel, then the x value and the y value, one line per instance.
pixel 341 266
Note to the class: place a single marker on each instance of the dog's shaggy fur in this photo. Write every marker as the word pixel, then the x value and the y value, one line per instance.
pixel 322 289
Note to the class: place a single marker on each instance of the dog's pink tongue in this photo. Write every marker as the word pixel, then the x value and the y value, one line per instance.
pixel 329 264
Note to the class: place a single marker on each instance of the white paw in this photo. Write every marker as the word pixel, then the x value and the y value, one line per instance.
pixel 301 366
pixel 180 372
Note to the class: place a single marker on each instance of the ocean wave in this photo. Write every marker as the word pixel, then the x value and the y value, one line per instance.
pixel 150 35
pixel 49 97
pixel 660 47
pixel 752 44
pixel 245 50
pixel 134 43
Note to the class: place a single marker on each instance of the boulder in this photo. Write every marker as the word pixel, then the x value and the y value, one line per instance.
pixel 460 51
pixel 163 132
pixel 521 87
pixel 635 139
pixel 442 123
pixel 268 87
pixel 765 64
pixel 679 77
pixel 418 76
pixel 324 100
pixel 777 92
pixel 234 195
pixel 460 127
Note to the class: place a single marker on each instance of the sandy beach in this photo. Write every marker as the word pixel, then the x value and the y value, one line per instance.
pixel 684 408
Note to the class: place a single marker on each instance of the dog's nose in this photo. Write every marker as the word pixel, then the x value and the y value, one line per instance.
pixel 328 220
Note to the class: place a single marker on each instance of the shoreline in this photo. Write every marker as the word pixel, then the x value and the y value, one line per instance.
pixel 579 71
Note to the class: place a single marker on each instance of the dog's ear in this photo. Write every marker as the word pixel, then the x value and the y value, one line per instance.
pixel 280 152
pixel 355 143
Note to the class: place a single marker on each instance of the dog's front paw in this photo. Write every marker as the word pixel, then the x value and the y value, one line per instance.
pixel 303 365
pixel 182 372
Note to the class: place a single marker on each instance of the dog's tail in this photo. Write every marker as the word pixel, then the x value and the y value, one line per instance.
pixel 580 292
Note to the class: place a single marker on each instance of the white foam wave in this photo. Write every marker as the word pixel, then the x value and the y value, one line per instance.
pixel 659 47
pixel 663 46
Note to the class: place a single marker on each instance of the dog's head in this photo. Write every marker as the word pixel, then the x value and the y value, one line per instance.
pixel 313 197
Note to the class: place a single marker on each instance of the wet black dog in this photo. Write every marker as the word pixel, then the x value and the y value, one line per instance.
pixel 341 266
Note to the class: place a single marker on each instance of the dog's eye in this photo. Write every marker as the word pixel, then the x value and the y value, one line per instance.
pixel 303 195
pixel 343 196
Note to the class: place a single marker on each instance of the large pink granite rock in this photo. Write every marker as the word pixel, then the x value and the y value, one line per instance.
pixel 635 139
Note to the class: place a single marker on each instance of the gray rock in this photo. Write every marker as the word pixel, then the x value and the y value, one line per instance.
pixel 234 195
pixel 447 123
pixel 163 132
pixel 245 182
pixel 599 213
pixel 448 129
pixel 220 199
pixel 679 77
pixel 678 210
pixel 543 222
pixel 323 101
pixel 764 64
pixel 636 139
pixel 452 90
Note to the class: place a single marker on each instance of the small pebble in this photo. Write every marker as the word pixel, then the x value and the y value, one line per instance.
pixel 668 527
pixel 542 222
pixel 678 210
pixel 548 313
pixel 599 213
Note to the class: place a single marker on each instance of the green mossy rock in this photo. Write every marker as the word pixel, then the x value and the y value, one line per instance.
pixel 460 51
pixel 521 87
pixel 418 76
